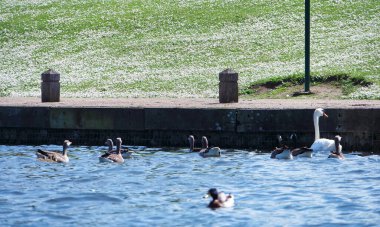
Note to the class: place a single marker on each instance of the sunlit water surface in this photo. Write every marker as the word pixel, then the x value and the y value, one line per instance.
pixel 165 188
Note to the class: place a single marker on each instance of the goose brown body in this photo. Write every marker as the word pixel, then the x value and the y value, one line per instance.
pixel 54 156
pixel 209 151
pixel 126 153
pixel 112 156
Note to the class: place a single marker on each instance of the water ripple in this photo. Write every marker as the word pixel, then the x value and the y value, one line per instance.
pixel 163 187
pixel 96 197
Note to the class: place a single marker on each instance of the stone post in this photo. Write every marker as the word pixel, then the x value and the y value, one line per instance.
pixel 228 86
pixel 50 86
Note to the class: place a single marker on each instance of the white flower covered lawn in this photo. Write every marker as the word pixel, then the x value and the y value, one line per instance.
pixel 150 48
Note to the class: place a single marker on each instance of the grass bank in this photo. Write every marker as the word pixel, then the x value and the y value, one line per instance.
pixel 151 48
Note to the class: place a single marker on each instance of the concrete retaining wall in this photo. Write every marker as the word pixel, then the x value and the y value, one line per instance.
pixel 158 127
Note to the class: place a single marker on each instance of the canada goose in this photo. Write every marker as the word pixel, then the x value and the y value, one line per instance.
pixel 126 153
pixel 192 144
pixel 338 149
pixel 113 157
pixel 209 151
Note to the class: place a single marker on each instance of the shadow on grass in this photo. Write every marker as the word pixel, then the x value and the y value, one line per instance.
pixel 333 86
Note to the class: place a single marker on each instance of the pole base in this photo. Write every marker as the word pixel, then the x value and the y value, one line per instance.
pixel 299 93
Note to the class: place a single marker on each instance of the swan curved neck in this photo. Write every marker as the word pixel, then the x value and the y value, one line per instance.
pixel 316 127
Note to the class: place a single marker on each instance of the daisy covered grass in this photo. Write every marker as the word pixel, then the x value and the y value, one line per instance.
pixel 176 48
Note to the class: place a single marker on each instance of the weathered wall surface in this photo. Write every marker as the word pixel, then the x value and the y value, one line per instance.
pixel 227 128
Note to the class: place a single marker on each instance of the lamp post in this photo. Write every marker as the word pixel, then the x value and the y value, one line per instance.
pixel 307 46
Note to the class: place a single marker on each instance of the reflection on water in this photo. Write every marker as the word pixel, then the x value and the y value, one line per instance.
pixel 164 188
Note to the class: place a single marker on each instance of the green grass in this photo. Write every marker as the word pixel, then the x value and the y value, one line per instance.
pixel 151 48
pixel 282 86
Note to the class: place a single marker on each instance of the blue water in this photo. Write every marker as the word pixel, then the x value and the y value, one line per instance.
pixel 165 188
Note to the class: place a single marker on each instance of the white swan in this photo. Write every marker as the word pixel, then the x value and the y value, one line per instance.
pixel 321 144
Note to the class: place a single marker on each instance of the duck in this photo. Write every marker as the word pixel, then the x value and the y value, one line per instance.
pixel 321 144
pixel 219 199
pixel 55 156
pixel 305 152
pixel 126 153
pixel 192 142
pixel 209 151
pixel 113 157
pixel 281 152
pixel 338 149
pixel 300 151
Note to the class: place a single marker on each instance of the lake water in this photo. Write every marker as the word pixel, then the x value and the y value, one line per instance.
pixel 161 187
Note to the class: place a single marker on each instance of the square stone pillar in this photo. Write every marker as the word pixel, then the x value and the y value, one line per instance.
pixel 50 86
pixel 228 86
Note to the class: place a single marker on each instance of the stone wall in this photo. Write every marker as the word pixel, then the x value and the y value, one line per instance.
pixel 158 127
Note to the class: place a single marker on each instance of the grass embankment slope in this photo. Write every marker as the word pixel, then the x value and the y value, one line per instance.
pixel 117 48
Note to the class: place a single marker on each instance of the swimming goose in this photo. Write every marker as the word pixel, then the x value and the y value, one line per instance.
pixel 338 149
pixel 219 199
pixel 281 152
pixel 109 143
pixel 321 144
pixel 126 153
pixel 192 142
pixel 53 156
pixel 113 157
pixel 301 151
pixel 209 151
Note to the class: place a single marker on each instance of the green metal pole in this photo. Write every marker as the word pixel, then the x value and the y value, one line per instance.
pixel 307 45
